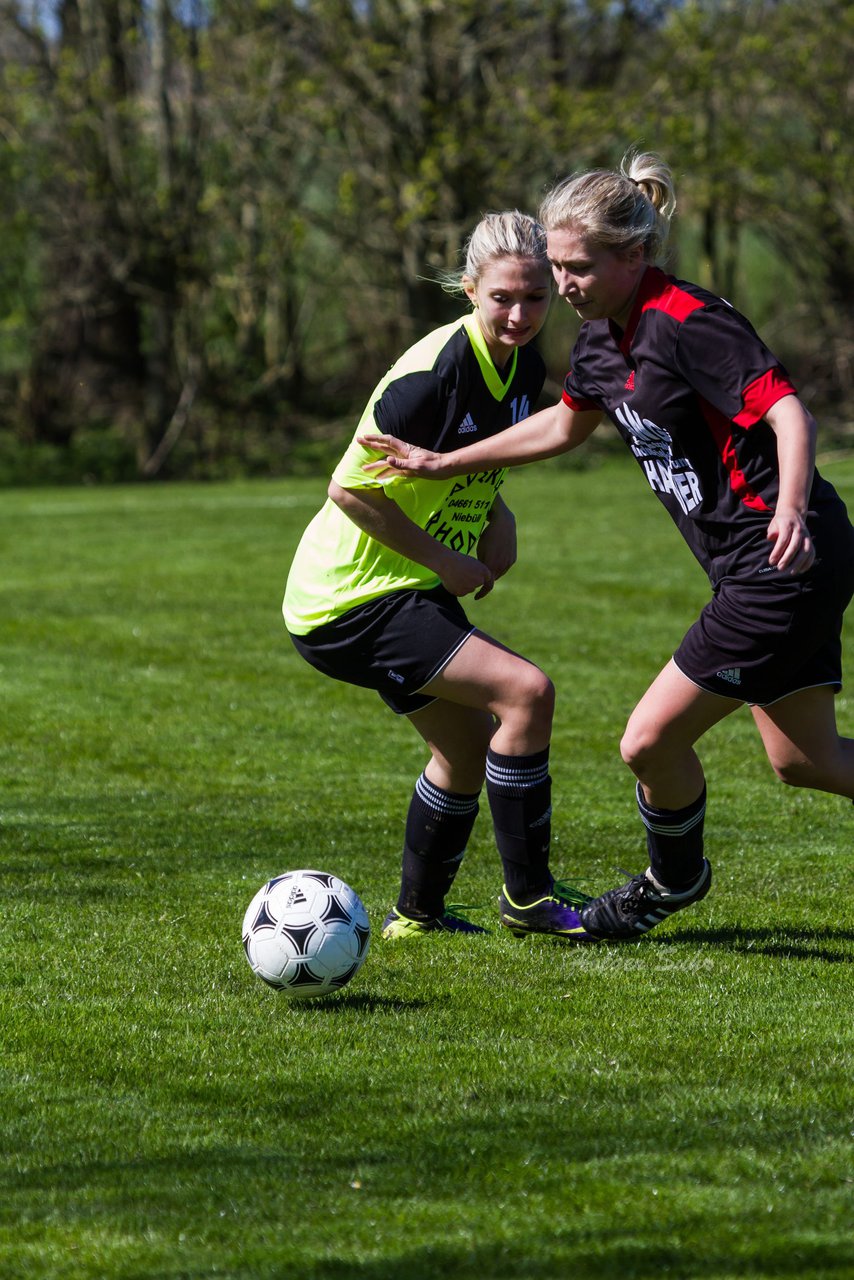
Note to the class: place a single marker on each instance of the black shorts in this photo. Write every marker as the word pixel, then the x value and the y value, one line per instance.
pixel 395 644
pixel 761 640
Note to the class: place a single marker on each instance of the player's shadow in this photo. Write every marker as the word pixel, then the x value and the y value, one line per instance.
pixel 833 946
pixel 361 1002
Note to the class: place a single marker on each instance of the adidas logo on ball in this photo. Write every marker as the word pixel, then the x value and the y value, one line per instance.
pixel 306 933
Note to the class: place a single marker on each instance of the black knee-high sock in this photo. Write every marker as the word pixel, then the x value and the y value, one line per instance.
pixel 674 840
pixel 438 826
pixel 519 790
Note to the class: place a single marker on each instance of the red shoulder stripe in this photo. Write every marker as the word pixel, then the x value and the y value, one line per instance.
pixel 658 292
pixel 761 394
pixel 675 301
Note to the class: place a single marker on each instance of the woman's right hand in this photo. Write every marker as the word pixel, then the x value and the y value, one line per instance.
pixel 401 458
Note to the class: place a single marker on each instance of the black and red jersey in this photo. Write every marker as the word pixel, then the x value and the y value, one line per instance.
pixel 687 385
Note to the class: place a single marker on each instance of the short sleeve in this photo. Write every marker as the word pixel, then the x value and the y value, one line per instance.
pixel 574 397
pixel 577 394
pixel 721 356
pixel 414 408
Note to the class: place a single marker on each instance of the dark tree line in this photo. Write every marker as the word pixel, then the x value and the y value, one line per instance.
pixel 221 219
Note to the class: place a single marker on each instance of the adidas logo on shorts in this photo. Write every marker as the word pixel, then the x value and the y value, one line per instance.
pixel 732 675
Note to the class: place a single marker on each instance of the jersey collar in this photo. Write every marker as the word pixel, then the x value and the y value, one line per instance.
pixel 493 379
pixel 652 283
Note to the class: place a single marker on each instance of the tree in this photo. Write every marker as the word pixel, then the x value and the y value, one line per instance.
pixel 222 218
pixel 755 104
pixel 117 212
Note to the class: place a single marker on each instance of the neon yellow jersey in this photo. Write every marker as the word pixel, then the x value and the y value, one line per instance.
pixel 442 393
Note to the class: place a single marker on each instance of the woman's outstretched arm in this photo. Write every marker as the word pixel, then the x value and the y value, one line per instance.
pixel 545 434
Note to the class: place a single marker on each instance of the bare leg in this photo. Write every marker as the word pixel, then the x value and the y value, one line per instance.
pixel 803 744
pixel 458 738
pixel 658 744
pixel 493 719
pixel 485 675
pixel 519 700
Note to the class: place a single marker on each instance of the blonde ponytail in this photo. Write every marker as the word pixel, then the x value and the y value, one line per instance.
pixel 622 209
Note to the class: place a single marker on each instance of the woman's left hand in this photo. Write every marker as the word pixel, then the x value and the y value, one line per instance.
pixel 793 551
pixel 496 547
pixel 794 426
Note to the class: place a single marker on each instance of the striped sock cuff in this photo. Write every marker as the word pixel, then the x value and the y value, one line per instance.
pixel 513 775
pixel 671 822
pixel 445 803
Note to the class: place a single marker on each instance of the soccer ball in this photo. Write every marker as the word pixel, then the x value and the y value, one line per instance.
pixel 306 933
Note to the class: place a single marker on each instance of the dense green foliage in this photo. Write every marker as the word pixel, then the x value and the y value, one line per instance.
pixel 468 1107
pixel 220 220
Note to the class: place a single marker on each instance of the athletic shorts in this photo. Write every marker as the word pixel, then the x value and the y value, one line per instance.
pixel 762 640
pixel 396 644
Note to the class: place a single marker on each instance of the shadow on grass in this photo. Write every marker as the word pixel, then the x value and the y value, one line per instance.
pixel 617 1260
pixel 359 1002
pixel 620 1260
pixel 181 1195
pixel 833 946
pixel 570 1248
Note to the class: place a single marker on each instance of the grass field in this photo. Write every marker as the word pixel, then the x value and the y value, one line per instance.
pixel 482 1107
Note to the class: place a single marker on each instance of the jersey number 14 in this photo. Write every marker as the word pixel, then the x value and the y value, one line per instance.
pixel 520 408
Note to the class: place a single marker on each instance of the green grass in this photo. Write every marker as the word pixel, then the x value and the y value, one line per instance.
pixel 483 1107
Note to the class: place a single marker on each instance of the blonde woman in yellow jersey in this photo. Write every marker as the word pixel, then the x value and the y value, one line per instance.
pixel 373 594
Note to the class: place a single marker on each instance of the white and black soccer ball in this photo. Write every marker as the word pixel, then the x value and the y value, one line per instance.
pixel 306 933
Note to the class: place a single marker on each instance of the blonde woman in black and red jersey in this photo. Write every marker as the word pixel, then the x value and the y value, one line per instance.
pixel 728 447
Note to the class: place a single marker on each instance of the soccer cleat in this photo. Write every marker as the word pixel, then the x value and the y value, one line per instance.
pixel 556 914
pixel 634 908
pixel 396 925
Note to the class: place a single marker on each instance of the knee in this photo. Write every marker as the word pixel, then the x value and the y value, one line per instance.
pixel 795 771
pixel 638 747
pixel 523 705
pixel 544 696
pixel 538 695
